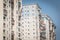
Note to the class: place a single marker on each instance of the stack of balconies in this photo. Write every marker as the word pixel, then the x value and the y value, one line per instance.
pixel 42 31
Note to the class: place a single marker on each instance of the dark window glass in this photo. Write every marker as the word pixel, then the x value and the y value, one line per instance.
pixel 4 17
pixel 4 5
pixel 4 25
pixel 19 35
pixel 19 18
pixel 3 37
pixel 18 24
pixel 3 31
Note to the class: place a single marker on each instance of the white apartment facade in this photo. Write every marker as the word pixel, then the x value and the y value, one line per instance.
pixel 17 16
pixel 8 13
pixel 30 18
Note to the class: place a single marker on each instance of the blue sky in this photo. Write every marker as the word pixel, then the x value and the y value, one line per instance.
pixel 50 7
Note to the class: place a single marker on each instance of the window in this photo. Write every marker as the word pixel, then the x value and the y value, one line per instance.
pixel 23 34
pixel 19 18
pixel 12 36
pixel 4 5
pixel 5 12
pixel 4 31
pixel 7 38
pixel 28 33
pixel 9 5
pixel 18 29
pixel 27 10
pixel 18 24
pixel 38 10
pixel 4 25
pixel 28 22
pixel 28 29
pixel 25 14
pixel 3 37
pixel 39 16
pixel 33 29
pixel 12 19
pixel 33 32
pixel 4 17
pixel 9 1
pixel 19 35
pixel 12 2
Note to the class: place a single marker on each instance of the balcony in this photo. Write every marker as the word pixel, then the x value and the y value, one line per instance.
pixel 42 28
pixel 43 35
pixel 42 22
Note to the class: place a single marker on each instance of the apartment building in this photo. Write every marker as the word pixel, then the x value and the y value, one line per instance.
pixel 17 16
pixel 9 12
pixel 47 28
pixel 28 25
pixel 30 18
